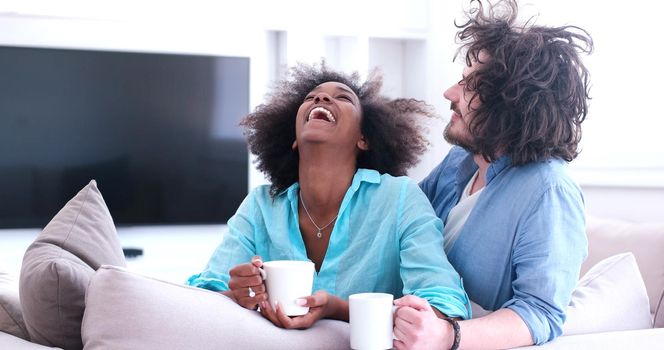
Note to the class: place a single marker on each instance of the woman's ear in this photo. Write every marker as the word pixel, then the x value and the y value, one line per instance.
pixel 362 143
pixel 294 146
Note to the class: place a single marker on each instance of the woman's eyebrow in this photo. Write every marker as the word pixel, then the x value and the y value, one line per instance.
pixel 343 88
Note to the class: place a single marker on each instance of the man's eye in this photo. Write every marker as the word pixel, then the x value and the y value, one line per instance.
pixel 308 98
pixel 344 97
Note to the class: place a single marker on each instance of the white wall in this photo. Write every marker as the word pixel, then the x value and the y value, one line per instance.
pixel 632 204
pixel 411 40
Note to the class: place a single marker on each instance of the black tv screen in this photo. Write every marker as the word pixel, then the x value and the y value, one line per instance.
pixel 158 132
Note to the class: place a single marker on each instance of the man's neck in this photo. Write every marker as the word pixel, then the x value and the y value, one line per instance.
pixel 480 180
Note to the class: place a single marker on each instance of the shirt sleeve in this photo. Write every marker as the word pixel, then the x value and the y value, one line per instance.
pixel 548 252
pixel 237 247
pixel 425 270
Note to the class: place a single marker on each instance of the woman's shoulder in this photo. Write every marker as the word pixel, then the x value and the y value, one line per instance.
pixel 395 186
pixel 262 196
pixel 260 192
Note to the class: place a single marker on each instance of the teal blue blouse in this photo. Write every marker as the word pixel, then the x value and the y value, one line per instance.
pixel 387 238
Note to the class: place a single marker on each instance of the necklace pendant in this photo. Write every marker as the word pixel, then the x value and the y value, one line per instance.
pixel 319 234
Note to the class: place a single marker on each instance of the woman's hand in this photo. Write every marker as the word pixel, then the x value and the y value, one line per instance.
pixel 416 326
pixel 321 305
pixel 246 285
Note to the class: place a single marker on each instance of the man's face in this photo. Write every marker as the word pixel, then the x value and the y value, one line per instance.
pixel 457 131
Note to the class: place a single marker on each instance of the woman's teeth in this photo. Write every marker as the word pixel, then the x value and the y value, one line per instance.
pixel 322 114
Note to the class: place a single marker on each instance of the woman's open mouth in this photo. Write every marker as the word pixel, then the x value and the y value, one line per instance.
pixel 320 113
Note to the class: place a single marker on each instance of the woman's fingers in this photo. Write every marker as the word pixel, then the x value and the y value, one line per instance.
pixel 257 261
pixel 247 285
pixel 270 314
pixel 318 299
pixel 237 282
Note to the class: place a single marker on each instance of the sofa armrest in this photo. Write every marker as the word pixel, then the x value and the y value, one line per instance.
pixel 636 339
pixel 8 341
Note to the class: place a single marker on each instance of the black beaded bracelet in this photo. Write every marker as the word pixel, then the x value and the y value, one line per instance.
pixel 457 333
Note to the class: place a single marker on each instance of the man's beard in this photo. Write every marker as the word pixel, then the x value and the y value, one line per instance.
pixel 463 140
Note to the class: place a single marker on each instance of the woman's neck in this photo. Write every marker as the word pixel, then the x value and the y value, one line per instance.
pixel 324 180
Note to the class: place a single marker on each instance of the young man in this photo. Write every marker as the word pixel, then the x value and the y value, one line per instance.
pixel 514 219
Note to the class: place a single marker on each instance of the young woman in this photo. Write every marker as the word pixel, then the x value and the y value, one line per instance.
pixel 335 152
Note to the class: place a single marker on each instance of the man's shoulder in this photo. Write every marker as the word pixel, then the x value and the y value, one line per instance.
pixel 546 174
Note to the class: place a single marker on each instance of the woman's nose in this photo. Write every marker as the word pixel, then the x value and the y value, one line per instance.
pixel 321 96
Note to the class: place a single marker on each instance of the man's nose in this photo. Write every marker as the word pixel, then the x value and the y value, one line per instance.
pixel 450 93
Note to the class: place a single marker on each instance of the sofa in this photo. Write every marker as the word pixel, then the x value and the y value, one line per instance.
pixel 74 291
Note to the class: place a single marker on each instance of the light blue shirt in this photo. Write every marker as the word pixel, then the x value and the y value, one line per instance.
pixel 524 241
pixel 386 239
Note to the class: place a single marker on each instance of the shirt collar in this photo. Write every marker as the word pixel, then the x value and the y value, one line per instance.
pixel 361 175
pixel 467 168
pixel 497 166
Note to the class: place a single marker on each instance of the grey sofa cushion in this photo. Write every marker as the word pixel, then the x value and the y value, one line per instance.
pixel 125 310
pixel 58 265
pixel 11 315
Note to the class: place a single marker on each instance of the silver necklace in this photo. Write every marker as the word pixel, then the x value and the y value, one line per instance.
pixel 319 234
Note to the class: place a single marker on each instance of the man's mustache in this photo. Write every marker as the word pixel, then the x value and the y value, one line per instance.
pixel 455 108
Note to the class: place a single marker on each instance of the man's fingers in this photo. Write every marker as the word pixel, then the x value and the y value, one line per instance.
pixel 408 314
pixel 403 328
pixel 414 302
pixel 401 339
pixel 398 344
pixel 257 261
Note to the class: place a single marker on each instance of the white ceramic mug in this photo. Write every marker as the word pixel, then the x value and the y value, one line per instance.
pixel 287 281
pixel 371 320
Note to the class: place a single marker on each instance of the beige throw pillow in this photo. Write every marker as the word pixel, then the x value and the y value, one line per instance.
pixel 658 321
pixel 610 297
pixel 11 316
pixel 125 310
pixel 645 240
pixel 58 265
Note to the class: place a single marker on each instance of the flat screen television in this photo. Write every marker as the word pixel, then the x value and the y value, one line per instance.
pixel 158 132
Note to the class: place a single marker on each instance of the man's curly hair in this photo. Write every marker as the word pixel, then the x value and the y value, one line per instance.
pixel 390 127
pixel 533 88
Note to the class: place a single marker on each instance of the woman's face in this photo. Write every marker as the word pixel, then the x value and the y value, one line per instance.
pixel 331 113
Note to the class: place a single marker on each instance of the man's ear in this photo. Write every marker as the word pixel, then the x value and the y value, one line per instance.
pixel 362 143
pixel 294 146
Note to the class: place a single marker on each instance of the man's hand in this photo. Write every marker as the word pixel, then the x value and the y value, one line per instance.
pixel 246 285
pixel 416 326
pixel 320 305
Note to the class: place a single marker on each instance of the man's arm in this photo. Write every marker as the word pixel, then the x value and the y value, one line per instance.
pixel 498 330
pixel 418 327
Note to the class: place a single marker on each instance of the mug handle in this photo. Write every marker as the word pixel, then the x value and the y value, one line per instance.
pixel 263 273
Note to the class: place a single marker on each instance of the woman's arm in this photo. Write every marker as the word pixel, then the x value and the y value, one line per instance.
pixel 424 268
pixel 237 247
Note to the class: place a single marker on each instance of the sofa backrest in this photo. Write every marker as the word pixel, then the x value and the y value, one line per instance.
pixel 607 237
